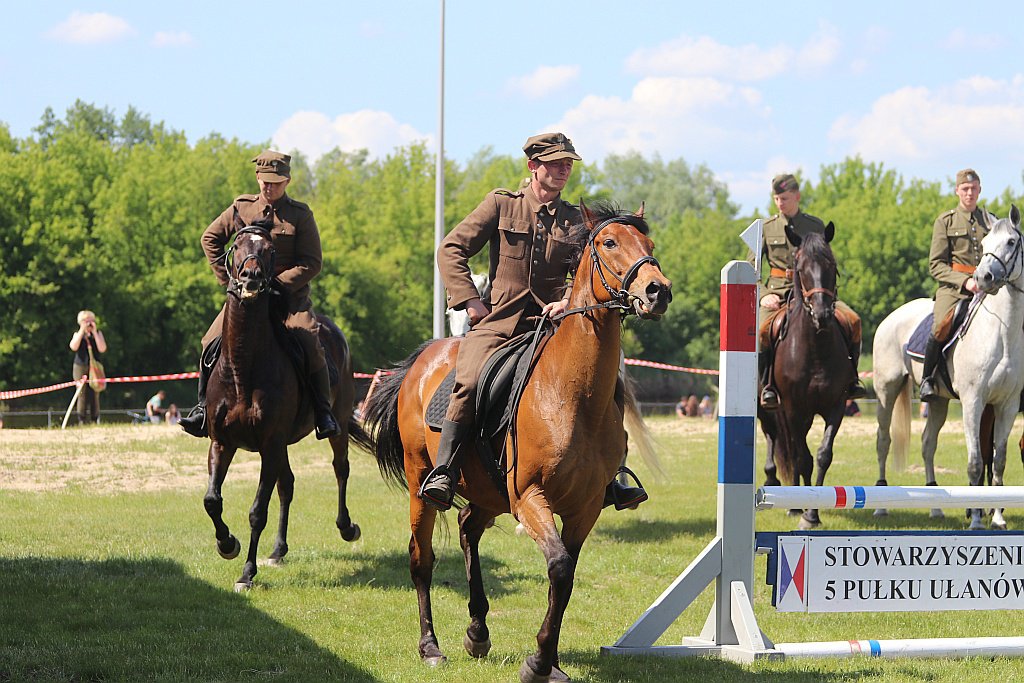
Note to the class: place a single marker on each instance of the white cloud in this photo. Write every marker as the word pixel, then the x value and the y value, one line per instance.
pixel 693 118
pixel 543 81
pixel 314 133
pixel 98 27
pixel 172 38
pixel 705 56
pixel 913 125
pixel 959 39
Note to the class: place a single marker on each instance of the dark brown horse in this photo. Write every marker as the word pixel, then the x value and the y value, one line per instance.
pixel 569 434
pixel 257 401
pixel 812 370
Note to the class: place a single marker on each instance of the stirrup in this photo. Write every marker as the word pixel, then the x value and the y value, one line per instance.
pixel 327 428
pixel 194 424
pixel 856 391
pixel 435 486
pixel 928 392
pixel 769 399
pixel 621 496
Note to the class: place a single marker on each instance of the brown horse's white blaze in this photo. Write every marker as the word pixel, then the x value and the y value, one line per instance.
pixel 570 436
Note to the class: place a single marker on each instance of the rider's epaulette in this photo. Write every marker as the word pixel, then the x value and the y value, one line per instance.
pixel 297 203
pixel 947 218
pixel 247 197
pixel 507 193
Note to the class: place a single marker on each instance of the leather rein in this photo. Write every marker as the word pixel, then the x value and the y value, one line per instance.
pixel 235 285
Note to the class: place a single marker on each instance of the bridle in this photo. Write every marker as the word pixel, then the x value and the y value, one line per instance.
pixel 621 299
pixel 235 286
pixel 808 293
pixel 1008 272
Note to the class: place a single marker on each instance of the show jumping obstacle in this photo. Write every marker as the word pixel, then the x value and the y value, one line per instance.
pixel 731 630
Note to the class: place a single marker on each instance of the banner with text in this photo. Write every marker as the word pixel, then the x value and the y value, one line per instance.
pixel 899 573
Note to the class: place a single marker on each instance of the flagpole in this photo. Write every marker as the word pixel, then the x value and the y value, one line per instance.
pixel 439 299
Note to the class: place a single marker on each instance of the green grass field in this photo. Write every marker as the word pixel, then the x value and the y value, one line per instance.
pixel 108 572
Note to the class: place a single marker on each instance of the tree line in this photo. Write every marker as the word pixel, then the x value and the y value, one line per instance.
pixel 106 213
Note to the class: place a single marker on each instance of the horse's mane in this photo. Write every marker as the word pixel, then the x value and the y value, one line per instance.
pixel 814 248
pixel 601 210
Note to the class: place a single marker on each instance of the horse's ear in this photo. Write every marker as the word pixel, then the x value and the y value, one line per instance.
pixel 236 220
pixel 1014 215
pixel 640 211
pixel 792 236
pixel 588 218
pixel 830 231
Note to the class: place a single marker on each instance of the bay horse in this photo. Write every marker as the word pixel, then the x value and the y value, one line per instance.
pixel 985 369
pixel 567 439
pixel 812 370
pixel 257 400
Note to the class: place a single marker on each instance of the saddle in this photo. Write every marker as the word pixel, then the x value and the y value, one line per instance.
pixel 499 389
pixel 953 326
pixel 773 327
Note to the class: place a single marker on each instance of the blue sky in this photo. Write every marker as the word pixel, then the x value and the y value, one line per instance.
pixel 750 89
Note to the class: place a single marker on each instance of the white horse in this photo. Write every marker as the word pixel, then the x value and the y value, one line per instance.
pixel 985 367
pixel 458 321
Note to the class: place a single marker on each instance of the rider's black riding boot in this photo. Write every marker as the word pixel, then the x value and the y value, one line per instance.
pixel 622 496
pixel 438 489
pixel 856 389
pixel 769 397
pixel 932 353
pixel 326 425
pixel 195 422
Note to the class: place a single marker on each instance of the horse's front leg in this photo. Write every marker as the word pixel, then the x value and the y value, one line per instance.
pixel 823 458
pixel 285 493
pixel 218 461
pixel 562 554
pixel 972 413
pixel 1001 436
pixel 272 459
pixel 937 412
pixel 339 444
pixel 472 523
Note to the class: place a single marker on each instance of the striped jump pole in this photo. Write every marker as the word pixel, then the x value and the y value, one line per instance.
pixel 889 497
pixel 917 647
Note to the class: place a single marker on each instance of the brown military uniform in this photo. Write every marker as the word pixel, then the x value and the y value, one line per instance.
pixel 529 262
pixel 780 255
pixel 955 253
pixel 298 261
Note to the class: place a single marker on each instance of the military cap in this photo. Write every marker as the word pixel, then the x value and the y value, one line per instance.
pixel 967 175
pixel 273 167
pixel 785 182
pixel 550 146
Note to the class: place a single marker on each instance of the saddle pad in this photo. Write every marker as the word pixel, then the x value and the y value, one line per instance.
pixel 438 406
pixel 919 339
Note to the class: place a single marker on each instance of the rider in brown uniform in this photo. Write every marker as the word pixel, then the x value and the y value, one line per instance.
pixel 780 253
pixel 528 233
pixel 955 253
pixel 297 261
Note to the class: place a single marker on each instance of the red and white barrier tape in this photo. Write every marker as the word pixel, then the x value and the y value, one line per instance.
pixel 18 393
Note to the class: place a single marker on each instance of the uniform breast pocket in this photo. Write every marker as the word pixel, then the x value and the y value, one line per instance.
pixel 284 239
pixel 515 238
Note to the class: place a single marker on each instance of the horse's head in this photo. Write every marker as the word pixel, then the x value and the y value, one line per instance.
pixel 623 273
pixel 250 262
pixel 1002 260
pixel 815 274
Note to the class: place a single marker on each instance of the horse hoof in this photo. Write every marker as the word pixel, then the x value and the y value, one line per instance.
pixel 520 530
pixel 474 648
pixel 937 513
pixel 270 562
pixel 435 661
pixel 976 525
pixel 999 526
pixel 242 586
pixel 352 533
pixel 881 512
pixel 558 675
pixel 528 675
pixel 806 524
pixel 234 547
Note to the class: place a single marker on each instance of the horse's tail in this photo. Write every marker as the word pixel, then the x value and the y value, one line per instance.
pixel 380 421
pixel 639 435
pixel 899 427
